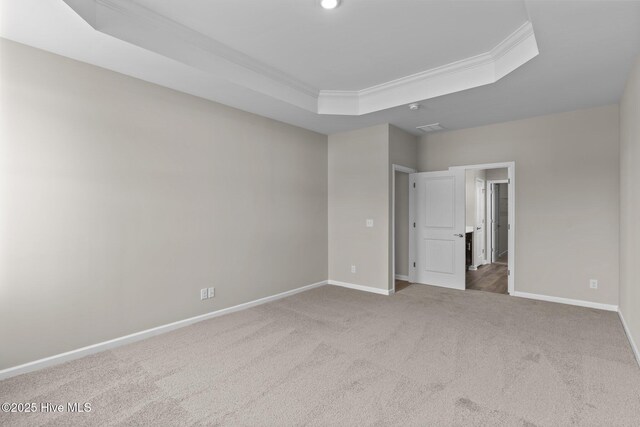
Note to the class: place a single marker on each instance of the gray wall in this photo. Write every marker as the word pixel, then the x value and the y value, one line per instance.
pixel 360 177
pixel 497 174
pixel 403 151
pixel 630 203
pixel 121 199
pixel 358 190
pixel 567 195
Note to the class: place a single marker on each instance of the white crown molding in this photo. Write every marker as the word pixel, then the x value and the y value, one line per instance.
pixel 145 28
pixel 517 49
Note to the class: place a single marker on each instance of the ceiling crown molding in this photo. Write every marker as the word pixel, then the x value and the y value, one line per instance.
pixel 517 49
pixel 145 28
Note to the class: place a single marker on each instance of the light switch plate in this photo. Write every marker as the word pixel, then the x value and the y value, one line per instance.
pixel 593 284
pixel 369 223
pixel 211 293
pixel 203 294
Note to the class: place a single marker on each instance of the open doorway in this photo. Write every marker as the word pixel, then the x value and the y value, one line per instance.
pixel 487 220
pixel 448 239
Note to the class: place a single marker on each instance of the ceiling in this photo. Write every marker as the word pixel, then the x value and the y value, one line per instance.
pixel 280 55
pixel 361 44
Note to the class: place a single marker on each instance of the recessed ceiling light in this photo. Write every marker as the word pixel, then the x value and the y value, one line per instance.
pixel 329 4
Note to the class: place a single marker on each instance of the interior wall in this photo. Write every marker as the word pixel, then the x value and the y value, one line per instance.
pixel 567 195
pixel 630 203
pixel 359 178
pixel 497 174
pixel 122 199
pixel 402 224
pixel 403 151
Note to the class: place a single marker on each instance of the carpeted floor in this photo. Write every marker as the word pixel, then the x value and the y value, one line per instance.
pixel 334 356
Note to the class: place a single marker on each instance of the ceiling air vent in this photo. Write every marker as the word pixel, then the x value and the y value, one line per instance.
pixel 434 127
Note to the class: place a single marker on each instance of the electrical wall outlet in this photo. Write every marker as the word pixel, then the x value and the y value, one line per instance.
pixel 203 294
pixel 353 268
pixel 593 284
pixel 211 293
pixel 369 223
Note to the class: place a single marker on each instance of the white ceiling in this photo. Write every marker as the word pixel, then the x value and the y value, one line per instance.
pixel 361 44
pixel 586 50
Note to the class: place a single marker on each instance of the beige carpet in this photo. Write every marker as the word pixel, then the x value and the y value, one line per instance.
pixel 334 356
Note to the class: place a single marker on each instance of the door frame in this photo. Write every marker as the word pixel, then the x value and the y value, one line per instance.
pixel 402 169
pixel 511 236
pixel 490 213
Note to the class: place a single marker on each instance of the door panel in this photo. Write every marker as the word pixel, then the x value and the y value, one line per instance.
pixel 439 256
pixel 440 202
pixel 438 235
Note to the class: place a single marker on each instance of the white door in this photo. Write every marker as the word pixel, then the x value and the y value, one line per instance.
pixel 479 232
pixel 438 232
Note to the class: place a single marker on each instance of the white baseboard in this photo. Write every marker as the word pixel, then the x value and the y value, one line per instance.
pixel 360 287
pixel 138 336
pixel 580 303
pixel 634 347
pixel 402 277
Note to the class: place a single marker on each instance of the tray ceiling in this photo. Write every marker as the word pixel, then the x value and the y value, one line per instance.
pixel 586 49
pixel 360 58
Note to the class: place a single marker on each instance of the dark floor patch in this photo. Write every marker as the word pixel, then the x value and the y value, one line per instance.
pixel 469 404
pixel 532 357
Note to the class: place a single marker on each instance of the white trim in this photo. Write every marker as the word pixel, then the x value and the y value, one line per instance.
pixel 402 277
pixel 361 287
pixel 403 169
pixel 577 302
pixel 500 165
pixel 634 347
pixel 138 336
pixel 514 51
pixel 412 237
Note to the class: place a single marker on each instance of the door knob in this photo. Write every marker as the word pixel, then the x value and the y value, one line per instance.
pixel 459 235
pixel 478 228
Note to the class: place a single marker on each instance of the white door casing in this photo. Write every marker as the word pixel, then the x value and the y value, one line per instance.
pixel 438 237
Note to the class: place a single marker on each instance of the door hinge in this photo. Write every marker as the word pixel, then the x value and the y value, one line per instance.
pixel 508 272
pixel 414 185
pixel 414 225
pixel 414 265
pixel 509 181
pixel 508 226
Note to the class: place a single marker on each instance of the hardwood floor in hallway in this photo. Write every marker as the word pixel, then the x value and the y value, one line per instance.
pixel 488 278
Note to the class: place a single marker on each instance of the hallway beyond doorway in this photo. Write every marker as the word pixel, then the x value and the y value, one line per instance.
pixel 488 278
